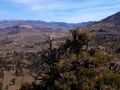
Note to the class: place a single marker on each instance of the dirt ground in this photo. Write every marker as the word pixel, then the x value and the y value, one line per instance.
pixel 9 75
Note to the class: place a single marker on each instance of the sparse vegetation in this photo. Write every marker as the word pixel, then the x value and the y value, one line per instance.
pixel 83 61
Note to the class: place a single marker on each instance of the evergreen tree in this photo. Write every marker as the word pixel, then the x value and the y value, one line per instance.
pixel 72 66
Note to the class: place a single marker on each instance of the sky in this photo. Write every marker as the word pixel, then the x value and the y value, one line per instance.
pixel 70 11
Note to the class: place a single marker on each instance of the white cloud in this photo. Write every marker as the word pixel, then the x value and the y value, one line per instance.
pixel 56 4
pixel 24 1
pixel 69 10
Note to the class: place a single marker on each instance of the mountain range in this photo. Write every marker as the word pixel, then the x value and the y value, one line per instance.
pixel 30 35
pixel 41 24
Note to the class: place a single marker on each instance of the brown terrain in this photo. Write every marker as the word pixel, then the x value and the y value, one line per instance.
pixel 9 75
pixel 27 38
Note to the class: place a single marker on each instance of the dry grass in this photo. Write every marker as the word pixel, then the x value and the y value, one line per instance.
pixel 9 75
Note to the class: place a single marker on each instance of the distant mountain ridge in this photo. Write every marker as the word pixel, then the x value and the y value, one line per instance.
pixel 41 24
pixel 109 25
pixel 30 35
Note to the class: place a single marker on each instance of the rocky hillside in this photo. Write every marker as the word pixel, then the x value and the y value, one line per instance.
pixel 109 25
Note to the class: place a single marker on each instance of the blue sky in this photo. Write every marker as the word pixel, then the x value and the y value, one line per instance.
pixel 71 11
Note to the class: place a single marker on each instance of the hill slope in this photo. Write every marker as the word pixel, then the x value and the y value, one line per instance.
pixel 26 38
pixel 109 25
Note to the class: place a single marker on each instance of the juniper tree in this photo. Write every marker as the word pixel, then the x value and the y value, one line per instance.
pixel 71 66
